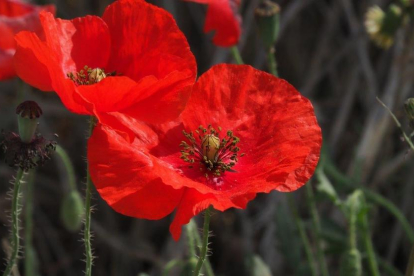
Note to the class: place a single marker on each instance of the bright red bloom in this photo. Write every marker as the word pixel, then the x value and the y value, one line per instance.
pixel 138 62
pixel 16 16
pixel 223 18
pixel 271 124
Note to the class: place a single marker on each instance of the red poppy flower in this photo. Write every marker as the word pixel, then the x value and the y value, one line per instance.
pixel 251 133
pixel 223 18
pixel 134 60
pixel 16 16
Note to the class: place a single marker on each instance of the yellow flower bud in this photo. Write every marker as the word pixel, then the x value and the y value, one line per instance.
pixel 210 146
pixel 96 75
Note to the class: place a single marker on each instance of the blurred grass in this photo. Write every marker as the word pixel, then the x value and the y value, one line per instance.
pixel 323 50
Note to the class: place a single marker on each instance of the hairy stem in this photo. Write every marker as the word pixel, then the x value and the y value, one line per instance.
pixel 87 230
pixel 28 227
pixel 204 246
pixel 15 223
pixel 207 266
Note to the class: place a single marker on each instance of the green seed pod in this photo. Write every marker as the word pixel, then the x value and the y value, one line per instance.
pixel 351 263
pixel 28 113
pixel 72 211
pixel 267 18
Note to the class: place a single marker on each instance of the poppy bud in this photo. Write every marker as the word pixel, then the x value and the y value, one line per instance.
pixel 267 18
pixel 28 114
pixel 210 146
pixel 96 75
pixel 72 211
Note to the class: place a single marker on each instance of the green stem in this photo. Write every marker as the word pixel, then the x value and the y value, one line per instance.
pixel 372 196
pixel 15 223
pixel 28 227
pixel 317 230
pixel 303 236
pixel 190 239
pixel 236 55
pixel 87 230
pixel 68 166
pixel 207 266
pixel 353 230
pixel 204 246
pixel 272 62
pixel 366 236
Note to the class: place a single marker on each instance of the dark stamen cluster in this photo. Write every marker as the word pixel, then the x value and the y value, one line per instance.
pixel 29 109
pixel 225 151
pixel 26 155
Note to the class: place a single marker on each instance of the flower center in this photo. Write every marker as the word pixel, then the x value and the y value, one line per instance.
pixel 89 75
pixel 215 155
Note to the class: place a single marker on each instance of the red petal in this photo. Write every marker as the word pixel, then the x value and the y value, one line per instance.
pixel 154 201
pixel 118 172
pixel 31 61
pixel 35 64
pixel 6 64
pixel 223 19
pixel 193 202
pixel 6 34
pixel 110 94
pixel 165 97
pixel 78 42
pixel 14 8
pixel 147 41
pixel 277 126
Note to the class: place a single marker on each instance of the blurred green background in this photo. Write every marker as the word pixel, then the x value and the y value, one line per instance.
pixel 325 52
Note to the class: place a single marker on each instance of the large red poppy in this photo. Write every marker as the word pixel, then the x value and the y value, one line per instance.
pixel 272 142
pixel 222 18
pixel 146 59
pixel 16 16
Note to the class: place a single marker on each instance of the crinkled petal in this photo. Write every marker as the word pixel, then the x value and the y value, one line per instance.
pixel 36 64
pixel 277 126
pixel 118 172
pixel 154 44
pixel 158 58
pixel 32 60
pixel 77 43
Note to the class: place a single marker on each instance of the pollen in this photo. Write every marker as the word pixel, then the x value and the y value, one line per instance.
pixel 88 76
pixel 214 154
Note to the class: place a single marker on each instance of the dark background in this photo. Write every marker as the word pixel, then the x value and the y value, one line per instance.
pixel 324 51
